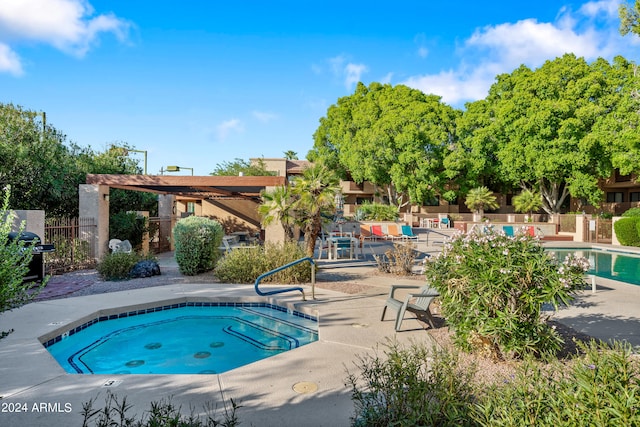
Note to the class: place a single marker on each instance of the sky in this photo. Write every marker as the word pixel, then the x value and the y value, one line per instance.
pixel 200 83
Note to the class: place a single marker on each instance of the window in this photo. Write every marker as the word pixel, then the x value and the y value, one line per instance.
pixel 635 196
pixel 434 201
pixel 191 207
pixel 363 200
pixel 615 197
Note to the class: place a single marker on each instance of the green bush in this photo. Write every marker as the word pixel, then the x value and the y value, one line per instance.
pixel 492 288
pixel 376 212
pixel 128 226
pixel 403 389
pixel 412 386
pixel 14 265
pixel 627 231
pixel 632 212
pixel 246 264
pixel 601 388
pixel 161 413
pixel 117 265
pixel 197 242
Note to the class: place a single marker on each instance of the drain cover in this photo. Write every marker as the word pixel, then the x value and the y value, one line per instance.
pixel 360 325
pixel 112 383
pixel 305 387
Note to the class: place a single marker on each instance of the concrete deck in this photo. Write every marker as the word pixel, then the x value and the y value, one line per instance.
pixel 349 326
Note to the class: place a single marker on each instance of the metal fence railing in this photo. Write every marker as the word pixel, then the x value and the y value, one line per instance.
pixel 74 242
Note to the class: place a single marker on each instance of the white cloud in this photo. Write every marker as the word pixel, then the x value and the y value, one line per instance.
pixel 263 116
pixel 9 61
pixel 591 32
pixel 225 128
pixel 348 71
pixel 353 72
pixel 67 25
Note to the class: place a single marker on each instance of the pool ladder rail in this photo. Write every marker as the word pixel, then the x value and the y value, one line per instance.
pixel 297 288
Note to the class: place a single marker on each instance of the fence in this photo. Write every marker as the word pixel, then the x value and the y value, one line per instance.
pixel 160 234
pixel 74 242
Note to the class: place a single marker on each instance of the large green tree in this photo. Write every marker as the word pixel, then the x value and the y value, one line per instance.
pixel 44 171
pixel 550 129
pixel 392 136
pixel 35 163
pixel 629 18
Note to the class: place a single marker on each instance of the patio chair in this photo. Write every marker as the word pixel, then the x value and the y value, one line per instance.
pixel 407 233
pixel 392 232
pixel 508 230
pixel 342 244
pixel 444 223
pixel 416 303
pixel 376 232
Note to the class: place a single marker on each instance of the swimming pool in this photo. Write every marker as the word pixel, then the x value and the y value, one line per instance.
pixel 182 338
pixel 610 264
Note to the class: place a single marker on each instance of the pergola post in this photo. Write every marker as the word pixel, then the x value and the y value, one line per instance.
pixel 94 203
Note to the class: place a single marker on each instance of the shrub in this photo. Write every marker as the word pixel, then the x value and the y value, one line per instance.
pixel 161 413
pixel 633 212
pixel 128 226
pixel 627 231
pixel 376 212
pixel 197 240
pixel 117 265
pixel 601 388
pixel 398 260
pixel 492 289
pixel 14 264
pixel 246 264
pixel 410 387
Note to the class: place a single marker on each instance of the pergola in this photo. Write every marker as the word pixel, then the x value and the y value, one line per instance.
pixel 197 187
pixel 94 194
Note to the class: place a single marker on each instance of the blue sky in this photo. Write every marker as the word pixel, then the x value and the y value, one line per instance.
pixel 201 82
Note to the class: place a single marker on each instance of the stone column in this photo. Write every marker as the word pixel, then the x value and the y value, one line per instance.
pixel 94 203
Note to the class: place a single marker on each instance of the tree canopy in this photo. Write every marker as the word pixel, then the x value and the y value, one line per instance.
pixel 44 171
pixel 392 136
pixel 241 167
pixel 555 130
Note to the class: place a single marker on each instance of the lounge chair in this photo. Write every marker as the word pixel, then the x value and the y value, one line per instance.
pixel 392 232
pixel 376 232
pixel 417 303
pixel 508 230
pixel 407 233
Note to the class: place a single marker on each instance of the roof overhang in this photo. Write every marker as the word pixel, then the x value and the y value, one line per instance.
pixel 196 187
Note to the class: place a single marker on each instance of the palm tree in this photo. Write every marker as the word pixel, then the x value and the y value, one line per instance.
pixel 290 155
pixel 276 206
pixel 480 198
pixel 527 201
pixel 315 191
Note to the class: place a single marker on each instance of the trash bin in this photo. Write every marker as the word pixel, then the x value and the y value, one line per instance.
pixel 36 266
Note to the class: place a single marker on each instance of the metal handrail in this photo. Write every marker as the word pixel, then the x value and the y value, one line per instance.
pixel 291 264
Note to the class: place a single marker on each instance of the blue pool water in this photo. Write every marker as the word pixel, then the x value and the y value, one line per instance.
pixel 182 340
pixel 610 264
